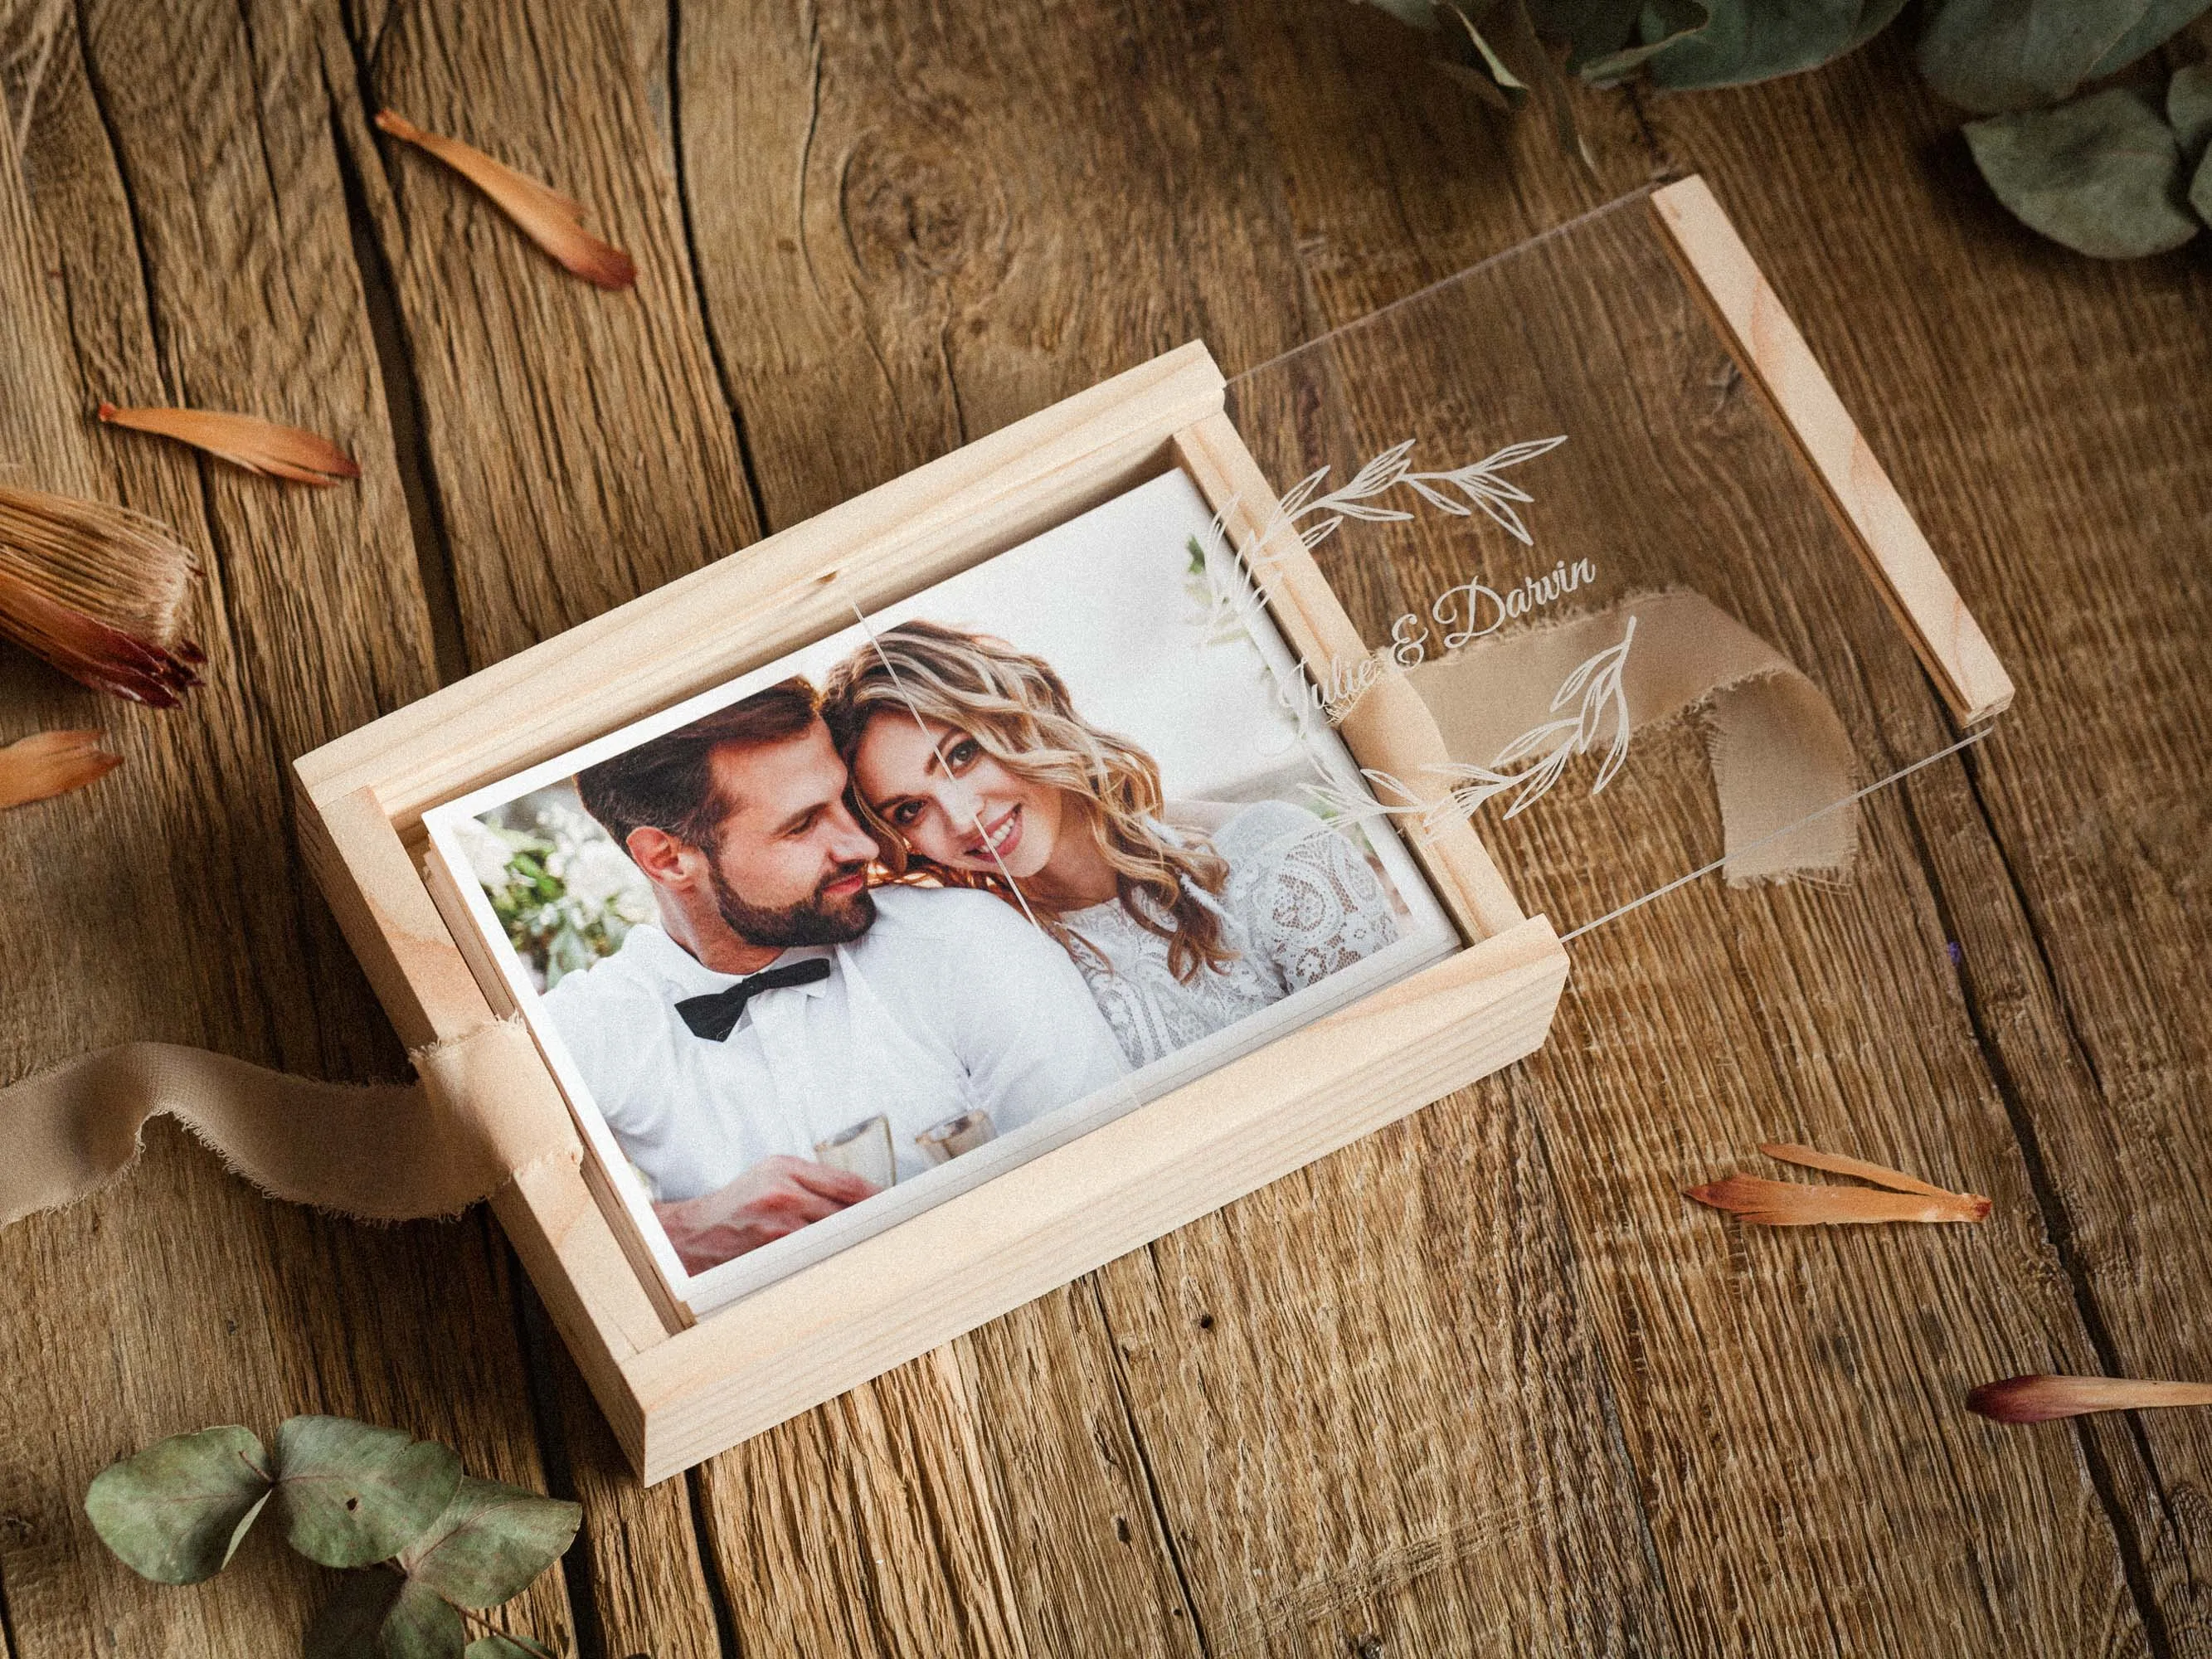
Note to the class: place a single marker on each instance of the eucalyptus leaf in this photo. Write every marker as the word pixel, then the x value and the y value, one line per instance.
pixel 2200 192
pixel 501 1645
pixel 2160 21
pixel 1992 55
pixel 1503 32
pixel 2189 108
pixel 1587 29
pixel 1756 40
pixel 175 1512
pixel 377 1614
pixel 2100 175
pixel 348 1625
pixel 1659 25
pixel 492 1541
pixel 1414 14
pixel 422 1625
pixel 349 1494
pixel 1479 60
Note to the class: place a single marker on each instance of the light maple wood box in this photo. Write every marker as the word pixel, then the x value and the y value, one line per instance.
pixel 678 1391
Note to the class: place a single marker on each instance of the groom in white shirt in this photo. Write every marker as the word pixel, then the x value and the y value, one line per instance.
pixel 779 1001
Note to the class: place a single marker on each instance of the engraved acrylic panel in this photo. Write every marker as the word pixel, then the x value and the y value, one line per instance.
pixel 1559 500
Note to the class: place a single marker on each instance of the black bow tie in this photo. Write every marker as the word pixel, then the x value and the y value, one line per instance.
pixel 714 1016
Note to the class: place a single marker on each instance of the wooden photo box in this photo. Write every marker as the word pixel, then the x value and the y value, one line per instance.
pixel 676 1390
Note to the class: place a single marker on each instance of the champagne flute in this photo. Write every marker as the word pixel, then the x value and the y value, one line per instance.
pixel 864 1150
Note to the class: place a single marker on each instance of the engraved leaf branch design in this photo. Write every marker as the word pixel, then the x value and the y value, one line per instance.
pixel 1602 715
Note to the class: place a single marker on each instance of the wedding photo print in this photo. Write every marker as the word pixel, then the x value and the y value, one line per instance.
pixel 986 868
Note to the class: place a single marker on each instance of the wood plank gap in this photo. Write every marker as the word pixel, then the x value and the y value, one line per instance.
pixel 9 1644
pixel 718 1593
pixel 767 525
pixel 1161 1518
pixel 402 400
pixel 2057 1227
pixel 535 1337
pixel 99 95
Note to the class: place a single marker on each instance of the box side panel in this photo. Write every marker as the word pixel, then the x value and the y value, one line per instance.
pixel 1388 728
pixel 1770 349
pixel 775 596
pixel 810 1337
pixel 430 994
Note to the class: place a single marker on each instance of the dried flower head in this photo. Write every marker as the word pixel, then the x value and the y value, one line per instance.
pixel 97 591
pixel 258 446
pixel 546 216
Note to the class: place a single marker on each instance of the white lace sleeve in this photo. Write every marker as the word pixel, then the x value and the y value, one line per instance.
pixel 1321 907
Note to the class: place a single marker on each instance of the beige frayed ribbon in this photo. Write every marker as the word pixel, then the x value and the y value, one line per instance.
pixel 483 1111
pixel 1779 752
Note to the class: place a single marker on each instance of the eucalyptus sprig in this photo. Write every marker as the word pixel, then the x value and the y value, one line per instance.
pixel 2108 172
pixel 431 1545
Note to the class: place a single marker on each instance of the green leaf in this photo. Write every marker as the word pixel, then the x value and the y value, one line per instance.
pixel 1587 29
pixel 377 1614
pixel 2100 175
pixel 1659 25
pixel 1992 55
pixel 500 1645
pixel 2200 191
pixel 347 1626
pixel 175 1512
pixel 1414 14
pixel 492 1541
pixel 1501 31
pixel 2189 108
pixel 422 1625
pixel 2160 21
pixel 349 1494
pixel 1751 40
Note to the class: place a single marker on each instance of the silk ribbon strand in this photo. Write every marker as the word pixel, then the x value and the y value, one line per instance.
pixel 1779 752
pixel 483 1111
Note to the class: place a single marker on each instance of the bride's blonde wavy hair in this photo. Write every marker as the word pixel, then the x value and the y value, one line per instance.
pixel 1018 708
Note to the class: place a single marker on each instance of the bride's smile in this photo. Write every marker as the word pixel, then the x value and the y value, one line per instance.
pixel 952 802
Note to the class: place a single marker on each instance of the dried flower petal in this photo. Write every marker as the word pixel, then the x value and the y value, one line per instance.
pixel 1799 1204
pixel 2039 1398
pixel 547 217
pixel 258 445
pixel 48 763
pixel 97 591
pixel 1837 1164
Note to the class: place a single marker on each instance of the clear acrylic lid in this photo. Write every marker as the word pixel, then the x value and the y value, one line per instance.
pixel 1596 499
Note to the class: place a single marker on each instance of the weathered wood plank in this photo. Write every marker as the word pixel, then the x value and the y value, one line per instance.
pixel 580 445
pixel 579 451
pixel 173 231
pixel 2043 413
pixel 1738 1361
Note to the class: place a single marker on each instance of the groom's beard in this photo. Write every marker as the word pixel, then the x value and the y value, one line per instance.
pixel 817 921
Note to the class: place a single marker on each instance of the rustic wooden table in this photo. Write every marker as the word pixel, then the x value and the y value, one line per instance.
pixel 1482 1383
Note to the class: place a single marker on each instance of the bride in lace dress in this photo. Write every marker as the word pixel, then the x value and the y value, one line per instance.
pixel 1184 917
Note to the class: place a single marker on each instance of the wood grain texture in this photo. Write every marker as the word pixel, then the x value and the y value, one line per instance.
pixel 2042 413
pixel 141 264
pixel 1479 1383
pixel 1769 347
pixel 580 445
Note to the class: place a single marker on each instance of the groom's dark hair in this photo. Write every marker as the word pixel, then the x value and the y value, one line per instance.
pixel 667 783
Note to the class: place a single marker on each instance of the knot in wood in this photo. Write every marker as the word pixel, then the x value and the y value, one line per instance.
pixel 919 203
